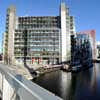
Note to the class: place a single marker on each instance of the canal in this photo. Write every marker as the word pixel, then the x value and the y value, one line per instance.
pixel 84 85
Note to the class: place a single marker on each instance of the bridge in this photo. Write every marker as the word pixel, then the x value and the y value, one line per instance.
pixel 14 86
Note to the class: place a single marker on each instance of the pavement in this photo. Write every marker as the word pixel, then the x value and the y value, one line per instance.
pixel 20 69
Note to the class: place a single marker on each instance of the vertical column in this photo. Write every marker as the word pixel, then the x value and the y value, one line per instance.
pixel 11 17
pixel 65 33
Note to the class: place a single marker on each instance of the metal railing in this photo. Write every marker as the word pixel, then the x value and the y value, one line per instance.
pixel 15 87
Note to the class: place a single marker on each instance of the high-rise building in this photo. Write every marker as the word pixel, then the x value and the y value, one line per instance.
pixel 98 49
pixel 92 39
pixel 45 39
pixel 81 51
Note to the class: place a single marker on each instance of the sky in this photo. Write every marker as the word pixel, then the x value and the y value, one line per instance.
pixel 86 12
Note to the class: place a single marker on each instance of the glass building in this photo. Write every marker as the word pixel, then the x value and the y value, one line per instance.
pixel 41 39
pixel 81 51
pixel 98 50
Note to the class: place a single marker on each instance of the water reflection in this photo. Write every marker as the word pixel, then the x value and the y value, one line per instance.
pixel 81 86
pixel 66 81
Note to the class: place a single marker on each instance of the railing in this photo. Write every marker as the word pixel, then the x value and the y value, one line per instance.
pixel 16 87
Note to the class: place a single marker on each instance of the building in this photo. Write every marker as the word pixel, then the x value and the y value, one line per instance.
pixel 98 49
pixel 72 26
pixel 81 51
pixel 40 39
pixel 92 39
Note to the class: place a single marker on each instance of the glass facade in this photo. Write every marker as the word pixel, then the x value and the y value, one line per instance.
pixel 81 50
pixel 47 37
pixel 43 38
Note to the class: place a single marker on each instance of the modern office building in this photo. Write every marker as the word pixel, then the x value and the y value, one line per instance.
pixel 92 39
pixel 98 49
pixel 41 39
pixel 81 51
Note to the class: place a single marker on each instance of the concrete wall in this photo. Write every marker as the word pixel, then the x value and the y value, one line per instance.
pixel 65 33
pixel 11 28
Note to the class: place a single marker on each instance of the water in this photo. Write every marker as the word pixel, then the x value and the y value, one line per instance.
pixel 84 85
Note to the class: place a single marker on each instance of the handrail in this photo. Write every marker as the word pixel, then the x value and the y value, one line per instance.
pixel 22 88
